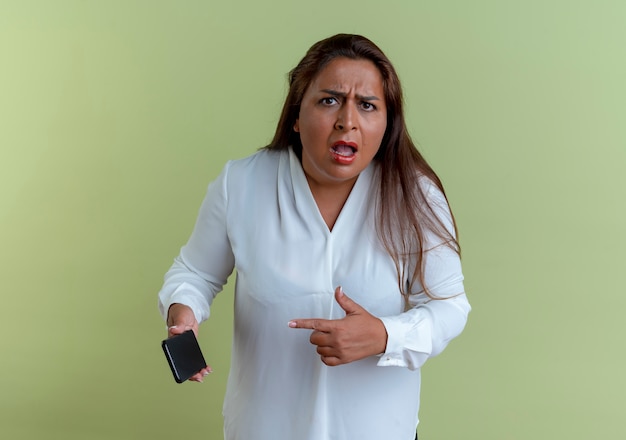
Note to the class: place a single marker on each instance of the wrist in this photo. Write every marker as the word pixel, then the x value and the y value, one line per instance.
pixel 383 338
pixel 176 314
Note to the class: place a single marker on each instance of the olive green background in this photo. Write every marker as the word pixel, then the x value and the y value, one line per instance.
pixel 115 115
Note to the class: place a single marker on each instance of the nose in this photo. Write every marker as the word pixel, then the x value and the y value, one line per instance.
pixel 346 118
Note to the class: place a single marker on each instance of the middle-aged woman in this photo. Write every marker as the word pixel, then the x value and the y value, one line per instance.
pixel 348 269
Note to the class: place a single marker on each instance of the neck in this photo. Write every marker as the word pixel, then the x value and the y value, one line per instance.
pixel 330 198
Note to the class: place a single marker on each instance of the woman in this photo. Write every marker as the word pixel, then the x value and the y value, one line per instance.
pixel 340 201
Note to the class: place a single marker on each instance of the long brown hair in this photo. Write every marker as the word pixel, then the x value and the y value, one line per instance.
pixel 404 214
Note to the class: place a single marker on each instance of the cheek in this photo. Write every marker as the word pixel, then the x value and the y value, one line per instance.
pixel 377 133
pixel 310 130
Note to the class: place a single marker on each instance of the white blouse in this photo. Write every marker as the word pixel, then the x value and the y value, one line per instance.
pixel 259 217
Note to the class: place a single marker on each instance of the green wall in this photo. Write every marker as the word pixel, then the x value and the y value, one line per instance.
pixel 115 115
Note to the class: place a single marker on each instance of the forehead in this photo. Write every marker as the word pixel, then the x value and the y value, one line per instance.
pixel 345 74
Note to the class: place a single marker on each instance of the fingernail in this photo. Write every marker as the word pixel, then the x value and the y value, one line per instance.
pixel 292 324
pixel 340 291
pixel 206 373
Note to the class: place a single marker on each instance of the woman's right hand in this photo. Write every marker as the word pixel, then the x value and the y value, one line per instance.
pixel 181 318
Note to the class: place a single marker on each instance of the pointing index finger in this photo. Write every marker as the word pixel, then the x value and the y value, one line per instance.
pixel 320 325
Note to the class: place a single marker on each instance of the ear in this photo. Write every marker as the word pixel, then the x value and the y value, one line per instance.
pixel 296 126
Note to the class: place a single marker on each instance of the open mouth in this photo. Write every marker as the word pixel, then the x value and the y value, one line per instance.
pixel 343 150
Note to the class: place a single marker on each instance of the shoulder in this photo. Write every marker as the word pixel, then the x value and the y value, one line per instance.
pixel 253 173
pixel 433 194
pixel 438 205
pixel 261 165
pixel 261 161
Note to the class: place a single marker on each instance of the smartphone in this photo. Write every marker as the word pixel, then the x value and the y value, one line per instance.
pixel 183 355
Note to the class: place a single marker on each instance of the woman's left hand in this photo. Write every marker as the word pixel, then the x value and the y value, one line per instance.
pixel 340 341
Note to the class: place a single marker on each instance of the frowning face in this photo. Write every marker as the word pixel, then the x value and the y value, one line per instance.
pixel 342 121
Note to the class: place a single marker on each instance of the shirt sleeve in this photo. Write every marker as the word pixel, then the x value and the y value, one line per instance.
pixel 430 324
pixel 202 268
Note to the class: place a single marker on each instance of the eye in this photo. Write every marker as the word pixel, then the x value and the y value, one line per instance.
pixel 368 106
pixel 329 100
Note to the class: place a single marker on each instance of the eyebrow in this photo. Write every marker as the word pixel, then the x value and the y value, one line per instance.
pixel 343 95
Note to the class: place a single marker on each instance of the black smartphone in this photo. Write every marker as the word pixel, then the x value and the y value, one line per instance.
pixel 184 355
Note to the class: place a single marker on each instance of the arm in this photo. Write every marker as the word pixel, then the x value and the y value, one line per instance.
pixel 405 340
pixel 201 270
pixel 205 262
pixel 427 328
